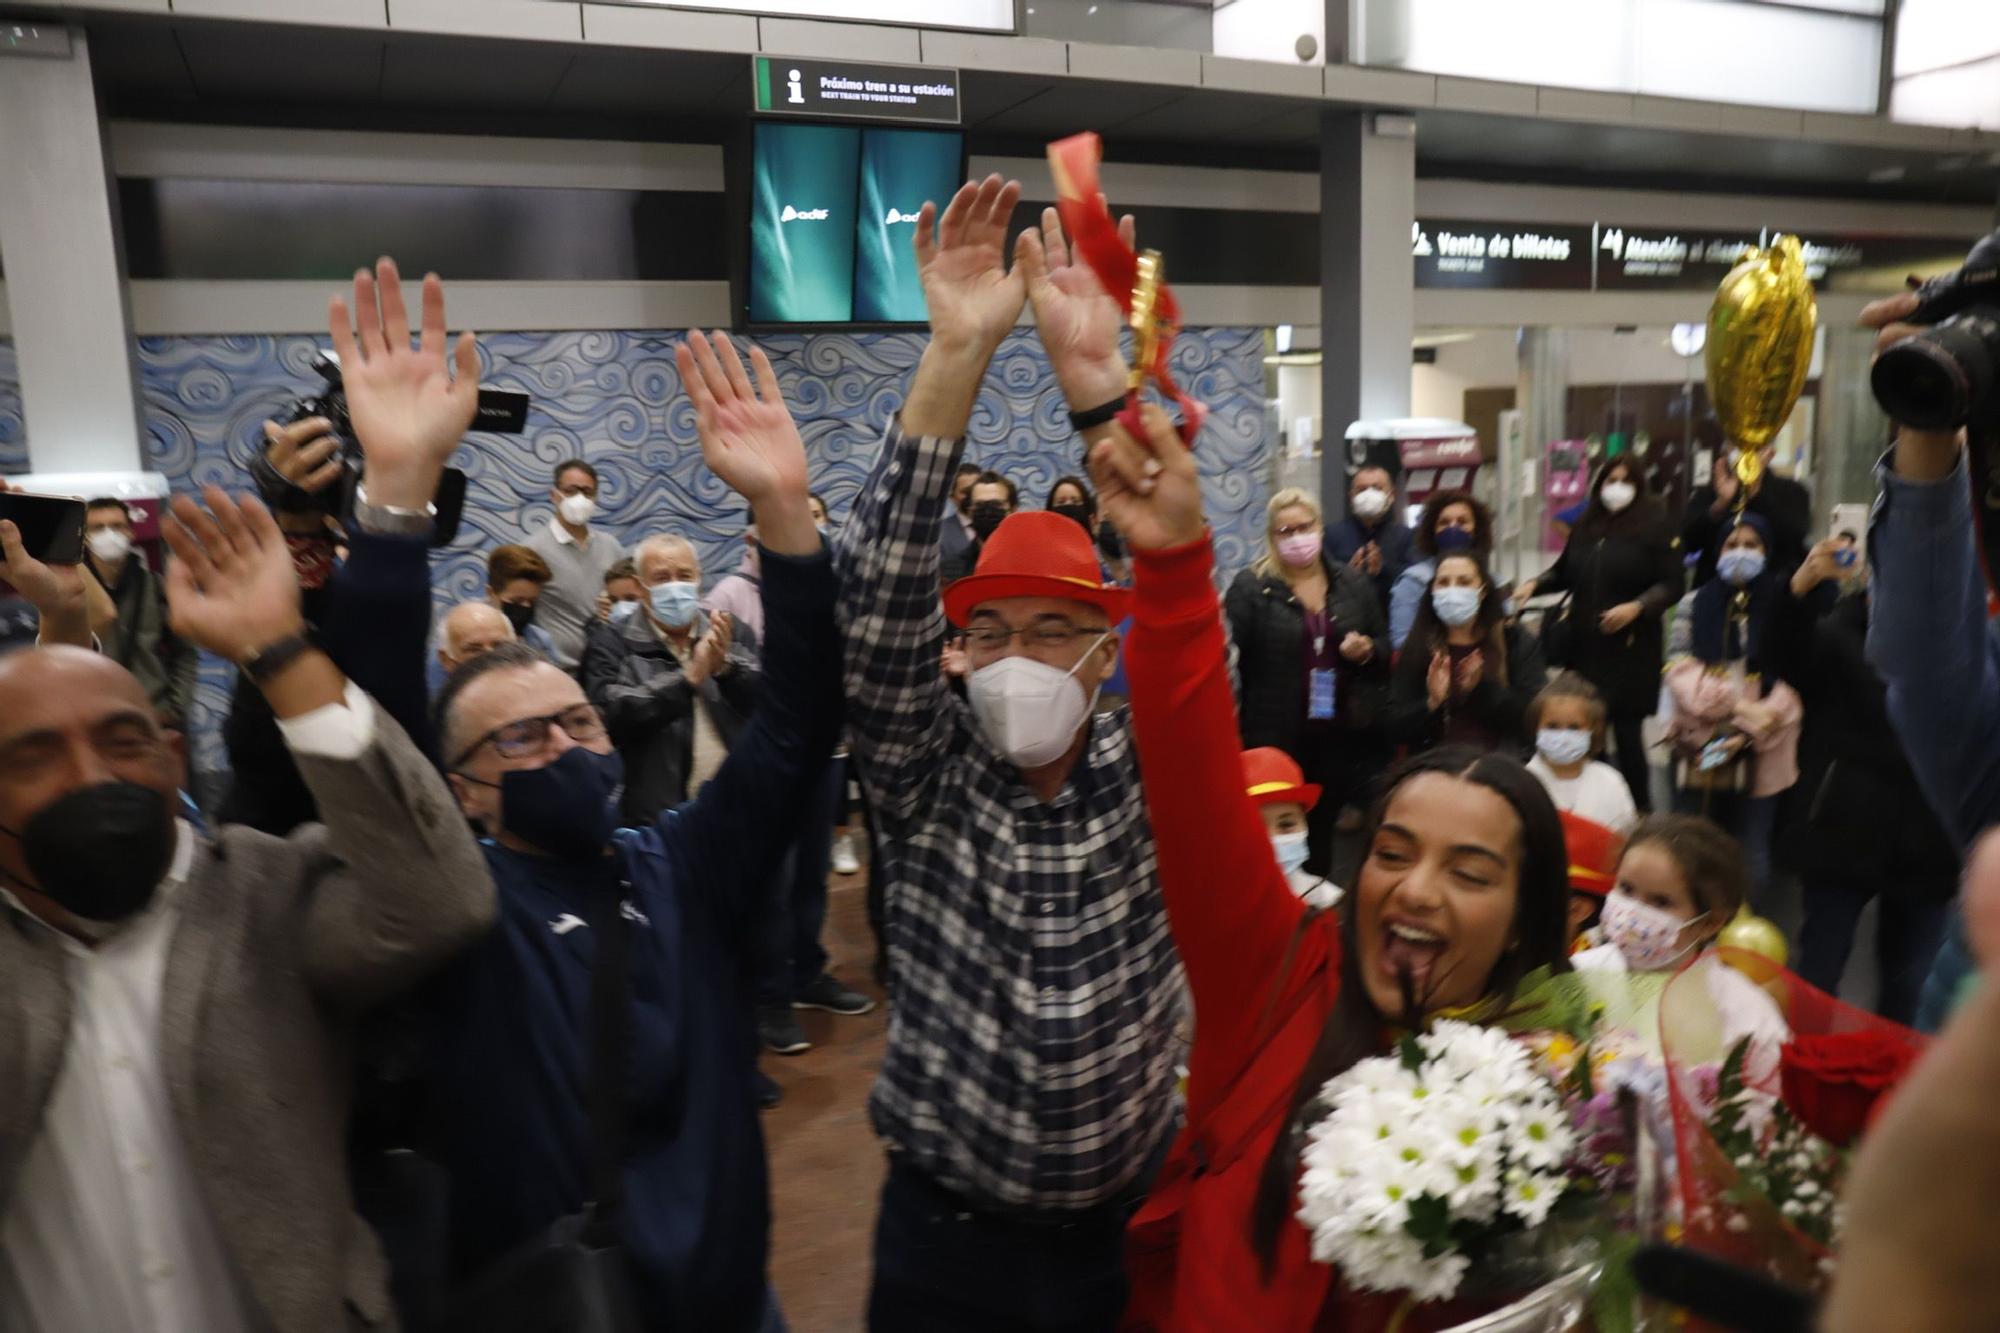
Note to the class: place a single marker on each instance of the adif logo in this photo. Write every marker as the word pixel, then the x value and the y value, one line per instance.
pixel 802 214
pixel 896 217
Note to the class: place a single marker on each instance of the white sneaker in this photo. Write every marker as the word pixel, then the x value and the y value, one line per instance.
pixel 844 860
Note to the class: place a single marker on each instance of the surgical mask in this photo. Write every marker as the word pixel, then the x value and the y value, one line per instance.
pixel 1452 541
pixel 109 545
pixel 519 616
pixel 1563 745
pixel 1300 550
pixel 1740 566
pixel 1077 513
pixel 1370 504
pixel 1028 709
pixel 1291 850
pixel 1457 607
pixel 675 604
pixel 1648 936
pixel 986 516
pixel 621 611
pixel 567 808
pixel 98 852
pixel 1618 495
pixel 577 510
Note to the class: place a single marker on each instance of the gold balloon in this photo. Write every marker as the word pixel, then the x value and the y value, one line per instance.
pixel 1754 934
pixel 1760 342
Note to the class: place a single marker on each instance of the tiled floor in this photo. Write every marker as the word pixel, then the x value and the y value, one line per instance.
pixel 826 1166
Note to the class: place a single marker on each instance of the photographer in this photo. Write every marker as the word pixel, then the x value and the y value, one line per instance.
pixel 1929 634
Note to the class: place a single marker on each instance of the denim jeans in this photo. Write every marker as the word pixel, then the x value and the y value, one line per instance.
pixel 790 956
pixel 1908 933
pixel 1751 820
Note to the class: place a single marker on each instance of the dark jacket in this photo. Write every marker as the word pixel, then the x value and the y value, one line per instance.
pixel 373 618
pixel 648 707
pixel 1784 503
pixel 1496 709
pixel 958 550
pixel 1857 814
pixel 141 642
pixel 1616 559
pixel 510 1066
pixel 1393 535
pixel 1268 626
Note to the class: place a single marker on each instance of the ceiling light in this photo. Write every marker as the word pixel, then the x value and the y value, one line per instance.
pixel 1886 175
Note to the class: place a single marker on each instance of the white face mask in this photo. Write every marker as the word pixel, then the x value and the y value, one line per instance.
pixel 1028 709
pixel 1291 850
pixel 1648 936
pixel 1619 495
pixel 1563 745
pixel 109 545
pixel 577 510
pixel 1371 503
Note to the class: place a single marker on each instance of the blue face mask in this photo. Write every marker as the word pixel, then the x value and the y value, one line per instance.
pixel 676 604
pixel 568 809
pixel 1291 849
pixel 1740 566
pixel 1452 541
pixel 1457 607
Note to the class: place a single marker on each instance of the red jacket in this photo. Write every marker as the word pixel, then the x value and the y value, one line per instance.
pixel 1264 980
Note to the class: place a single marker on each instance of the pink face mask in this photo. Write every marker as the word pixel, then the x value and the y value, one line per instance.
pixel 1299 550
pixel 1648 936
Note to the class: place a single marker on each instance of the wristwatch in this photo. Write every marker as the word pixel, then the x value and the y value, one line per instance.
pixel 269 660
pixel 391 520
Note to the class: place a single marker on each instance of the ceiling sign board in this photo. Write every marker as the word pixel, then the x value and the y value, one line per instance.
pixel 1662 259
pixel 846 89
pixel 1501 255
pixel 975 15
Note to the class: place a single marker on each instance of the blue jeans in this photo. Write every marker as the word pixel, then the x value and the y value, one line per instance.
pixel 1751 820
pixel 790 957
pixel 1907 937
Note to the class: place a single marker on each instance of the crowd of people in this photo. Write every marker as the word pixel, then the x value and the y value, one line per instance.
pixel 461 986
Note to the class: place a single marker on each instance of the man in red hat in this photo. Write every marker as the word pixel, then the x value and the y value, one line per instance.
pixel 1028 1088
pixel 1593 869
pixel 1284 797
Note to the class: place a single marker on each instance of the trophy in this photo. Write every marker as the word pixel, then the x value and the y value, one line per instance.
pixel 1760 340
pixel 1137 281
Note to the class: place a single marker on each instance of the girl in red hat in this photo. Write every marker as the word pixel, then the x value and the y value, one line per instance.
pixel 1274 781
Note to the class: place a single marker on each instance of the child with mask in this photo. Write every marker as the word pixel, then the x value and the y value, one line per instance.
pixel 1567 722
pixel 1284 797
pixel 1593 868
pixel 1467 675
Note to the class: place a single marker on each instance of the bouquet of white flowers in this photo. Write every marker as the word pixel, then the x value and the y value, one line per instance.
pixel 1429 1156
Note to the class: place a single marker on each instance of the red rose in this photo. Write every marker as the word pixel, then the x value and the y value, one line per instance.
pixel 1831 1082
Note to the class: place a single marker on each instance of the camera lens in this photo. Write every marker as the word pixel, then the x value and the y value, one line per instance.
pixel 1929 380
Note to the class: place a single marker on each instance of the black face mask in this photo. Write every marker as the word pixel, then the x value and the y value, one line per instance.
pixel 99 851
pixel 986 516
pixel 1076 511
pixel 567 808
pixel 520 617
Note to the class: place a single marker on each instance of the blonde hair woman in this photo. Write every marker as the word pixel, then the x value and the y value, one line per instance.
pixel 1313 657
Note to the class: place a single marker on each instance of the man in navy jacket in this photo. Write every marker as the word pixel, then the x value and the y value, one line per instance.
pixel 529 757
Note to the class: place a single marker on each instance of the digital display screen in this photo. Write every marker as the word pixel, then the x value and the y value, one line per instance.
pixel 833 212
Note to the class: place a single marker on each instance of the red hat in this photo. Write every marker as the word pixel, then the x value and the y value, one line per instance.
pixel 1593 854
pixel 1270 776
pixel 1036 554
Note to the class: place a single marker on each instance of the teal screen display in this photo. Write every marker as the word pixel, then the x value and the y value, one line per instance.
pixel 802 209
pixel 900 169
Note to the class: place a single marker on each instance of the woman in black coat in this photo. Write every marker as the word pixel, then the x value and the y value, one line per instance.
pixel 1466 675
pixel 1859 827
pixel 1313 664
pixel 1623 575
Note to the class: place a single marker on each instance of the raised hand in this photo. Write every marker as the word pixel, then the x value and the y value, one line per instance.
pixel 974 299
pixel 1820 567
pixel 1150 491
pixel 749 440
pixel 231 588
pixel 1079 322
pixel 304 453
pixel 57 592
pixel 409 411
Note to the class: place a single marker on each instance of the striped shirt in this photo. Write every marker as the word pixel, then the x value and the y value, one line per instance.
pixel 1037 993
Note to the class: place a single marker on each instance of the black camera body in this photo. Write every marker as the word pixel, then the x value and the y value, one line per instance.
pixel 500 411
pixel 1949 374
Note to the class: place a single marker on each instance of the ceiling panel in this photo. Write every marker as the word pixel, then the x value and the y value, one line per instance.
pixel 647 82
pixel 1067 108
pixel 282 63
pixel 465 73
pixel 1197 116
pixel 141 60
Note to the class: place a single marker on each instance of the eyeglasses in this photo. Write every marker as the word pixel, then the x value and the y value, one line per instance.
pixel 530 735
pixel 1296 530
pixel 1035 636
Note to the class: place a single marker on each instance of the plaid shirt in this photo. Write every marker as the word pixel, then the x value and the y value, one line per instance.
pixel 1037 990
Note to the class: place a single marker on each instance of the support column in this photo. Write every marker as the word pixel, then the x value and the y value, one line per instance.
pixel 1368 204
pixel 1541 395
pixel 1852 428
pixel 65 267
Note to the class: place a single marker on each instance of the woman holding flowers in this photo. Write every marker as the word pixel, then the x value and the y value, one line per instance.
pixel 1462 895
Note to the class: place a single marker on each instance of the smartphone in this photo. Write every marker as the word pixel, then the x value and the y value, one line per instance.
pixel 51 525
pixel 1714 755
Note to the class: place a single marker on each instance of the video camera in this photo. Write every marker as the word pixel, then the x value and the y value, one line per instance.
pixel 500 411
pixel 1949 374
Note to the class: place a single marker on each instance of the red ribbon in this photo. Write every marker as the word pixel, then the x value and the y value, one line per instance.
pixel 1093 237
